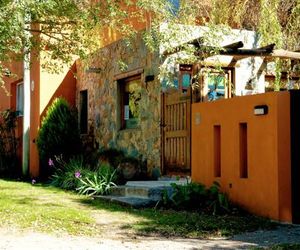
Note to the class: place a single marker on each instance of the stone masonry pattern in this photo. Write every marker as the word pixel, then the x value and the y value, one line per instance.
pixel 103 99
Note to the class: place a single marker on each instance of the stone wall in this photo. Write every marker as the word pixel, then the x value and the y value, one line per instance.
pixel 99 78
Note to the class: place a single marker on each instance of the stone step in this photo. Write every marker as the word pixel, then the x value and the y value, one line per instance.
pixel 134 202
pixel 140 194
pixel 153 193
pixel 159 183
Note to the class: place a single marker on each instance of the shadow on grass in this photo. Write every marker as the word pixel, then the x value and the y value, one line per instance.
pixel 169 223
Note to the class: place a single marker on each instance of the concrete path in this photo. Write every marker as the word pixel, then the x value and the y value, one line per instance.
pixel 14 240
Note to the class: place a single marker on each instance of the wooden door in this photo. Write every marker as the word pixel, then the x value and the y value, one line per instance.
pixel 176 133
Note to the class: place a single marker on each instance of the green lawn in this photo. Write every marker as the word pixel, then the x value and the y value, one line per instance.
pixel 47 209
pixel 280 247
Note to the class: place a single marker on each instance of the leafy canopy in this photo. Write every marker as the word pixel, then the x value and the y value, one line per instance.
pixel 65 28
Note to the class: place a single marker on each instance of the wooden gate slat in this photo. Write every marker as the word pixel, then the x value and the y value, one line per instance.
pixel 176 135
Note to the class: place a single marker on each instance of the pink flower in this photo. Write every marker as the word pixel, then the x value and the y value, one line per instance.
pixel 50 162
pixel 77 174
pixel 33 181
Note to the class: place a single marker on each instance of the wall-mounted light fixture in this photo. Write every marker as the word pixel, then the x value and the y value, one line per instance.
pixel 261 110
pixel 94 70
pixel 32 85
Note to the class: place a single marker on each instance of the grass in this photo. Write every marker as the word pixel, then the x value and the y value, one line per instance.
pixel 281 247
pixel 187 224
pixel 47 209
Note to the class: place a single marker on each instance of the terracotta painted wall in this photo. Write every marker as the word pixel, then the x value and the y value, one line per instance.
pixel 111 35
pixel 57 85
pixel 8 99
pixel 5 100
pixel 267 189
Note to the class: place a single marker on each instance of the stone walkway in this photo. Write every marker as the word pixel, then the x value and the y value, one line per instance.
pixel 14 240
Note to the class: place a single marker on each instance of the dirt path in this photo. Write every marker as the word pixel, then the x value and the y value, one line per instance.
pixel 13 239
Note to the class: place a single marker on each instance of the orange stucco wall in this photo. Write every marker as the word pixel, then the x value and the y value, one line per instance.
pixel 137 20
pixel 57 85
pixel 267 189
pixel 7 95
pixel 5 99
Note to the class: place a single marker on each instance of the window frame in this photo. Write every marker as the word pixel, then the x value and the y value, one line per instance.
pixel 227 72
pixel 183 70
pixel 122 84
pixel 20 111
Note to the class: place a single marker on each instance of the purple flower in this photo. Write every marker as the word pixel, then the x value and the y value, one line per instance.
pixel 50 162
pixel 77 174
pixel 33 181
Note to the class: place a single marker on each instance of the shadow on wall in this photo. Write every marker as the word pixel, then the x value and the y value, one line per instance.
pixel 66 89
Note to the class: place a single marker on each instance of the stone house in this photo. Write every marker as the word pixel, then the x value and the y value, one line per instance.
pixel 104 88
pixel 122 97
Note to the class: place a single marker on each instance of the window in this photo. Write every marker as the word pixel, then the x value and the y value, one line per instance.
pixel 83 111
pixel 20 99
pixel 217 151
pixel 185 77
pixel 243 151
pixel 217 85
pixel 130 96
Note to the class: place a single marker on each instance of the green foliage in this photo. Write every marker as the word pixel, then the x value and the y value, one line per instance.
pixel 284 246
pixel 99 183
pixel 217 201
pixel 66 28
pixel 155 173
pixel 196 197
pixel 76 175
pixel 8 143
pixel 59 133
pixel 269 27
pixel 113 156
pixel 64 172
pixel 116 157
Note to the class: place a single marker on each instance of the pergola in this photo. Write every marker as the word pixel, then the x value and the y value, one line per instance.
pixel 237 51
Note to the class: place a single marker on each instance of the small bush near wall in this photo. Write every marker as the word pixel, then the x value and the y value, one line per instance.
pixel 128 168
pixel 75 175
pixel 59 134
pixel 8 144
pixel 64 172
pixel 196 197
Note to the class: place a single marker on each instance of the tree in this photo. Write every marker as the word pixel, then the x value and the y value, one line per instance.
pixel 64 28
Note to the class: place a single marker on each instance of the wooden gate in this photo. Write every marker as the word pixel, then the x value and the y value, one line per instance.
pixel 176 132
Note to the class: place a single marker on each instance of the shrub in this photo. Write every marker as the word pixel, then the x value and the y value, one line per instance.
pixel 217 201
pixel 76 175
pixel 64 175
pixel 100 183
pixel 59 133
pixel 128 167
pixel 8 143
pixel 195 196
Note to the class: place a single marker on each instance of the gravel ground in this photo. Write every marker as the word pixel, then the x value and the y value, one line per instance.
pixel 14 239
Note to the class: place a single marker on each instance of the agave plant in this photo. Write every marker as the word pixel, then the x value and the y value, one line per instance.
pixel 99 183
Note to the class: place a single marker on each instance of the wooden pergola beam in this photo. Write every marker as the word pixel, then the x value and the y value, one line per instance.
pixel 236 45
pixel 268 48
pixel 235 49
pixel 285 54
pixel 244 53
